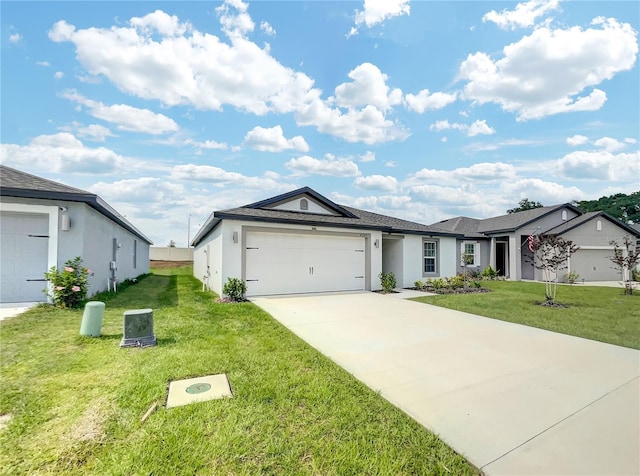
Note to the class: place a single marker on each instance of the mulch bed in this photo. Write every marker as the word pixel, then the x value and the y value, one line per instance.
pixel 227 300
pixel 551 304
pixel 455 291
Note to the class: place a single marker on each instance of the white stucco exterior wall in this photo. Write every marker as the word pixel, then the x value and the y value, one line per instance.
pixel 89 236
pixel 226 259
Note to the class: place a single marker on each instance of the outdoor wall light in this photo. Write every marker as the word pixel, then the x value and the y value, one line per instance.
pixel 65 221
pixel 376 243
pixel 235 236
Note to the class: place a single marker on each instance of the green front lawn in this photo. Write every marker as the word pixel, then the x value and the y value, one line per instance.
pixel 76 402
pixel 597 313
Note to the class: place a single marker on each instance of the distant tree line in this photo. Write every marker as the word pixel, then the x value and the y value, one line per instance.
pixel 622 206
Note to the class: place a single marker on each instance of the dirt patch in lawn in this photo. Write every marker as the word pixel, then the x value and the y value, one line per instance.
pixel 169 264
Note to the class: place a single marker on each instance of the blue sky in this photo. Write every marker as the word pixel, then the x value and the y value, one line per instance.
pixel 421 110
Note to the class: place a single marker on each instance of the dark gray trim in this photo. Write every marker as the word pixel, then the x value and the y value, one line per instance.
pixel 91 199
pixel 302 191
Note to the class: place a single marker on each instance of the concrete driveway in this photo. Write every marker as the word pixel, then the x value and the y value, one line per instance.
pixel 512 399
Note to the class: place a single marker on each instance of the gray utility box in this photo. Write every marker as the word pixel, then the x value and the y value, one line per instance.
pixel 138 329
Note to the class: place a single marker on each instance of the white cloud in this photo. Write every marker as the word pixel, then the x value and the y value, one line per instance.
pixel 426 101
pixel 207 144
pixel 631 140
pixel 156 57
pixel 391 163
pixel 544 73
pixel 126 117
pixel 545 192
pixel 267 28
pixel 609 144
pixel 377 11
pixel 385 183
pixel 62 152
pixel 524 15
pixel 273 140
pixel 484 172
pixel 58 75
pixel 368 87
pixel 478 127
pixel 333 167
pixel 368 125
pixel 601 165
pixel 151 191
pixel 221 177
pixel 368 156
pixel 94 132
pixel 45 64
pixel 15 38
pixel 577 140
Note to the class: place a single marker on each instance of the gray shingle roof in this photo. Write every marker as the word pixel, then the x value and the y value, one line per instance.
pixel 15 183
pixel 513 221
pixel 464 225
pixel 359 219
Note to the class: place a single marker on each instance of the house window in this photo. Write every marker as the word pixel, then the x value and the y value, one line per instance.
pixel 599 225
pixel 304 204
pixel 469 254
pixel 135 254
pixel 430 255
pixel 564 214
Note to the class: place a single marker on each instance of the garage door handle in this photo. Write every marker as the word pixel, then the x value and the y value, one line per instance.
pixel 35 279
pixel 359 277
pixel 310 269
pixel 248 280
pixel 38 236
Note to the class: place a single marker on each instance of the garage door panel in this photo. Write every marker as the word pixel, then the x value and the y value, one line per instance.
pixel 24 248
pixel 283 263
pixel 594 265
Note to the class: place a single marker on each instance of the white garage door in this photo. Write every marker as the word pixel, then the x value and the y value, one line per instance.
pixel 23 249
pixel 282 263
pixel 594 265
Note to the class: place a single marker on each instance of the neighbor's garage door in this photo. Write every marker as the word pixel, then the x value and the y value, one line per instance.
pixel 594 265
pixel 23 250
pixel 283 263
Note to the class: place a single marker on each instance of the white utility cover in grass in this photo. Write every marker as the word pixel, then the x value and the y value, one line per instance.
pixel 199 389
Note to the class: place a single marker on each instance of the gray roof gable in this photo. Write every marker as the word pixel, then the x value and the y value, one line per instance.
pixel 15 183
pixel 577 221
pixel 514 221
pixel 349 218
pixel 463 225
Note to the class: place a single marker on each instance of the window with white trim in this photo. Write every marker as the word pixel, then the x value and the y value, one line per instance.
pixel 470 254
pixel 304 204
pixel 430 257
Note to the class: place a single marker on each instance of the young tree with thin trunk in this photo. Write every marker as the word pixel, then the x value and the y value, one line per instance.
pixel 551 255
pixel 625 260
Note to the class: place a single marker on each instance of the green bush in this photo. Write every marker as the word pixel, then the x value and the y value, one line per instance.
pixel 489 273
pixel 635 275
pixel 235 289
pixel 69 286
pixel 570 278
pixel 437 283
pixel 455 282
pixel 419 285
pixel 388 282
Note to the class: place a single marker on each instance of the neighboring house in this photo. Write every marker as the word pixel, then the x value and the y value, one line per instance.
pixel 45 223
pixel 302 242
pixel 502 241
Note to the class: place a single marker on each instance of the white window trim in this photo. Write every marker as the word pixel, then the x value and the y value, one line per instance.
pixel 476 254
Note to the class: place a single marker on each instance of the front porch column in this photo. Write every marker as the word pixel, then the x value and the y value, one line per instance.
pixel 514 258
pixel 492 254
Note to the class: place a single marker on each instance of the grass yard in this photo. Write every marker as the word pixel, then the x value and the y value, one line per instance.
pixel 598 313
pixel 76 402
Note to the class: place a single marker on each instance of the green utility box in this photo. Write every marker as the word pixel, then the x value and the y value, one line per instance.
pixel 92 319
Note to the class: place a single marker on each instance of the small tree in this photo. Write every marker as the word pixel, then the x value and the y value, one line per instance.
pixel 551 254
pixel 625 260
